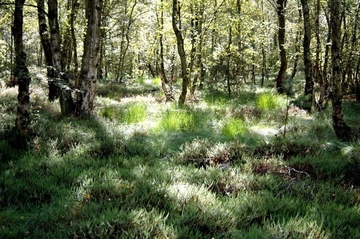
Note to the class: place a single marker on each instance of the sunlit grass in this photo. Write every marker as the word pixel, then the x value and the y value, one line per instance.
pixel 129 113
pixel 177 120
pixel 157 81
pixel 143 169
pixel 269 101
pixel 233 128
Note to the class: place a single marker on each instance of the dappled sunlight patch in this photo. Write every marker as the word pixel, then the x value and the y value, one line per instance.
pixel 298 227
pixel 286 149
pixel 9 92
pixel 183 193
pixel 263 130
pixel 151 224
pixel 351 151
pixel 299 113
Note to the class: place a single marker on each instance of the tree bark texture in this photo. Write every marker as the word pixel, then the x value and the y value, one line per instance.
pixel 318 72
pixel 88 72
pixel 55 37
pixel 309 83
pixel 74 11
pixel 63 91
pixel 21 73
pixel 181 51
pixel 46 45
pixel 342 130
pixel 281 7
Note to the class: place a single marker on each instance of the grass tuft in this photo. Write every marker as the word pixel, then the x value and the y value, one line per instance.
pixel 267 101
pixel 233 128
pixel 178 120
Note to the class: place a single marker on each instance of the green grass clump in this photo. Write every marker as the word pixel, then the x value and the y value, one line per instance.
pixel 267 101
pixel 134 113
pixel 157 81
pixel 233 128
pixel 140 80
pixel 108 112
pixel 130 113
pixel 178 120
pixel 217 98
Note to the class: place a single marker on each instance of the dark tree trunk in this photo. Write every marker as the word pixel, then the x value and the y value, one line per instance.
pixel 309 83
pixel 281 7
pixel 318 72
pixel 21 73
pixel 181 51
pixel 66 50
pixel 63 91
pixel 297 48
pixel 74 11
pixel 46 45
pixel 88 72
pixel 342 130
pixel 228 58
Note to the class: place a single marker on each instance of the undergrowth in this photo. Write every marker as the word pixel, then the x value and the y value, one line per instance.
pixel 213 169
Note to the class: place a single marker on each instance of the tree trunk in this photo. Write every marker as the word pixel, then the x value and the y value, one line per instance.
pixel 342 130
pixel 309 83
pixel 88 72
pixel 164 81
pixel 66 49
pixel 74 11
pixel 318 72
pixel 46 45
pixel 63 91
pixel 228 58
pixel 199 69
pixel 22 75
pixel 181 51
pixel 281 7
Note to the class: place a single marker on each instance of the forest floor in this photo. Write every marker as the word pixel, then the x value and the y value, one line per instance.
pixel 220 167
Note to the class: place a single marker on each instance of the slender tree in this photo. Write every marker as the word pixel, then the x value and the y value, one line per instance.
pixel 21 73
pixel 342 130
pixel 60 79
pixel 309 83
pixel 46 46
pixel 164 80
pixel 280 10
pixel 88 72
pixel 180 46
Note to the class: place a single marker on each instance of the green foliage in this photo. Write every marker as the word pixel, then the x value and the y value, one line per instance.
pixel 140 80
pixel 267 101
pixel 217 98
pixel 233 128
pixel 178 120
pixel 129 113
pixel 157 81
pixel 303 102
pixel 134 113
